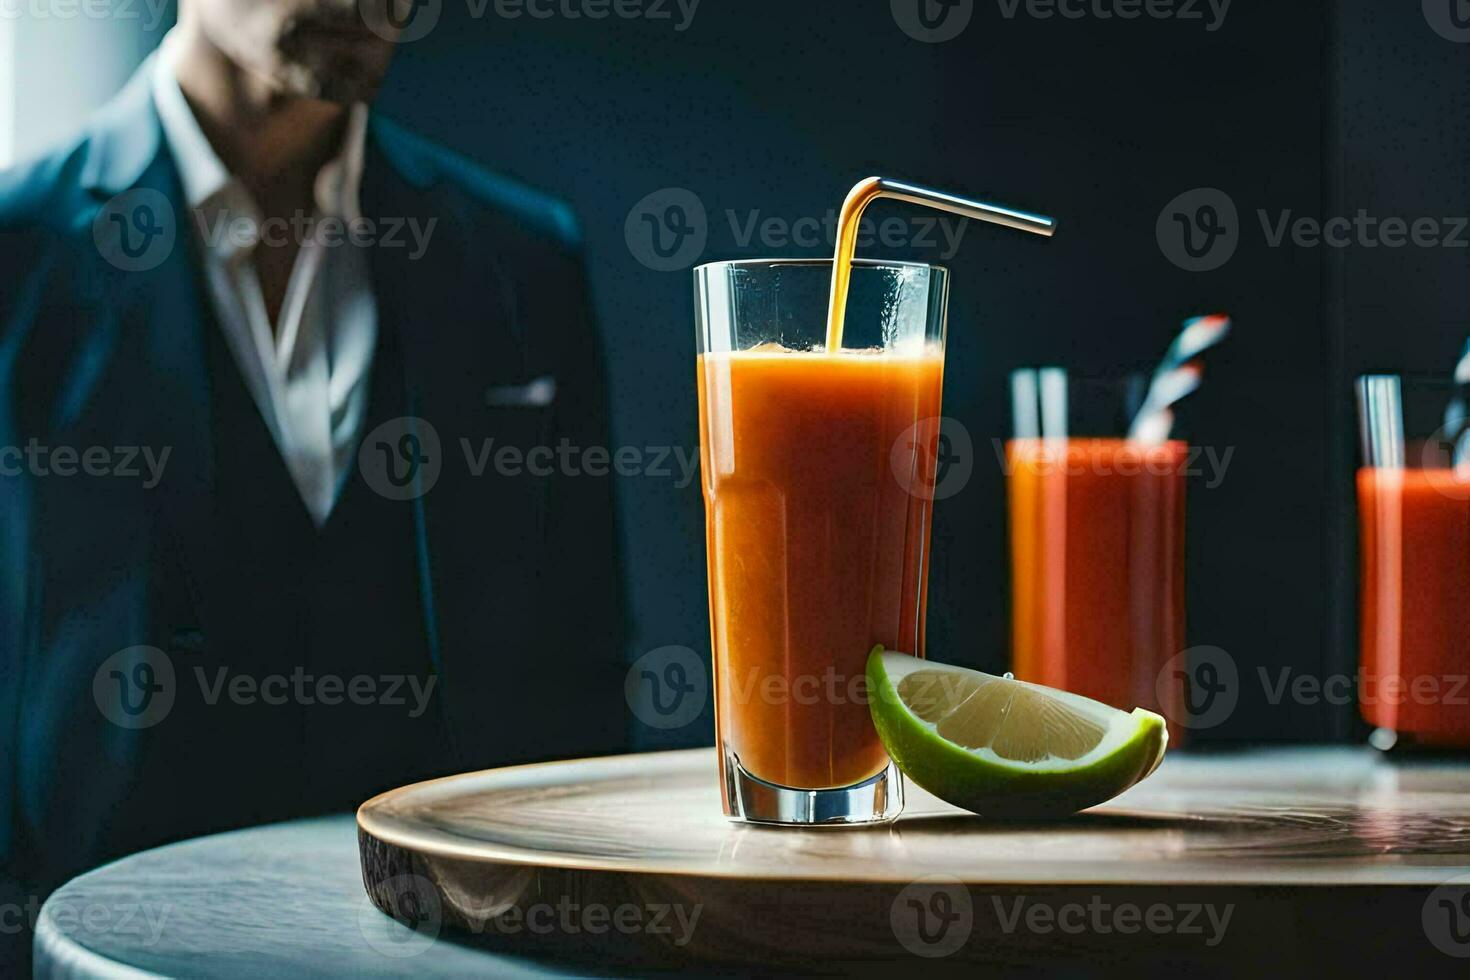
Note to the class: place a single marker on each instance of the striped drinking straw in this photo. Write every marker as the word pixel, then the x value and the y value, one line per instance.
pixel 1457 414
pixel 1178 374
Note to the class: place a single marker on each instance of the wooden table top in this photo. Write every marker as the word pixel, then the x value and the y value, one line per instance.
pixel 1329 838
pixel 285 900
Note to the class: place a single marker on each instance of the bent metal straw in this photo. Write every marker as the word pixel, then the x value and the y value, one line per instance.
pixel 868 191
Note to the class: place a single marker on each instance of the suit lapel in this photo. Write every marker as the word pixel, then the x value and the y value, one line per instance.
pixel 453 316
pixel 179 409
pixel 132 180
pixel 408 304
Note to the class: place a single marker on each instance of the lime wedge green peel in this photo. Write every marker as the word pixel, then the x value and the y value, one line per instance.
pixel 1005 748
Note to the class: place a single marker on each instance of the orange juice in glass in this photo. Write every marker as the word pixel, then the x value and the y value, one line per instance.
pixel 1414 557
pixel 818 471
pixel 1097 544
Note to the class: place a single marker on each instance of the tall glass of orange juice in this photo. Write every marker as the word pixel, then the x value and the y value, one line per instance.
pixel 818 473
pixel 1097 545
pixel 1414 561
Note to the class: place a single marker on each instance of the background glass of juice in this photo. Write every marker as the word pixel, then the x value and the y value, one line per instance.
pixel 818 472
pixel 1097 543
pixel 1414 556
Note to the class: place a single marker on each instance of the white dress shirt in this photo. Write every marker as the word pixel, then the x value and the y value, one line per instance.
pixel 308 376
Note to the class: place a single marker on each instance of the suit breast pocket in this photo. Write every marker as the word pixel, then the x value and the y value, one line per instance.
pixel 518 417
pixel 532 393
pixel 514 458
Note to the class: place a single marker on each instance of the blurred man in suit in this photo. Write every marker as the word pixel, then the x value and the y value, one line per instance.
pixel 279 523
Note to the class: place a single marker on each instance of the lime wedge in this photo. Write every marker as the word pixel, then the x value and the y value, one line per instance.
pixel 1005 748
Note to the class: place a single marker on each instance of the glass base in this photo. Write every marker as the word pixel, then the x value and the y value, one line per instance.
pixel 878 799
pixel 1406 746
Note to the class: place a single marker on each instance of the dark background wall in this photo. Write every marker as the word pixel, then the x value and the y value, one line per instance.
pixel 778 107
pixel 772 108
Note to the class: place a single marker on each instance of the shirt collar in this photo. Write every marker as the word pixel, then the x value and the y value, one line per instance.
pixel 204 176
pixel 338 187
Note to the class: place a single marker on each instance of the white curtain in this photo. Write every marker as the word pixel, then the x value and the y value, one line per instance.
pixel 7 92
pixel 61 59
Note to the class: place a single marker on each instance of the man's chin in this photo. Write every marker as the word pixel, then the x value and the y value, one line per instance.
pixel 349 91
pixel 344 84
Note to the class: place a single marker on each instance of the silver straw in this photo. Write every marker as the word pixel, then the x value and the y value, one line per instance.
pixel 1381 412
pixel 867 191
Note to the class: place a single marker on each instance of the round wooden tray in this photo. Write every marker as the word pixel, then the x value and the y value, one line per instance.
pixel 1305 847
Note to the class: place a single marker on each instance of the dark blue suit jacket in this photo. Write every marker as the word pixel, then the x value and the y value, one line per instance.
pixel 516 573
